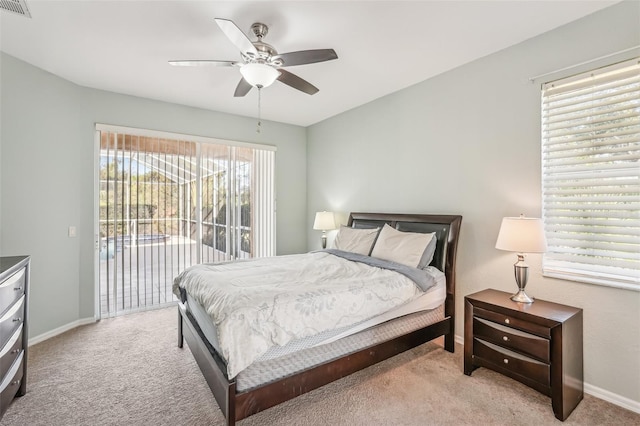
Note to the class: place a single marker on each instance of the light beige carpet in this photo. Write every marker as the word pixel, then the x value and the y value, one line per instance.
pixel 129 371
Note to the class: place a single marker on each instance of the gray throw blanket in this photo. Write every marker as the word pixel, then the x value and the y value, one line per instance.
pixel 422 277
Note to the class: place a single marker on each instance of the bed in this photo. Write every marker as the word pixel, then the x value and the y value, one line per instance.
pixel 289 370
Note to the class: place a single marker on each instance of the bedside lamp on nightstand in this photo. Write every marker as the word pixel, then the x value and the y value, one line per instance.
pixel 521 235
pixel 325 221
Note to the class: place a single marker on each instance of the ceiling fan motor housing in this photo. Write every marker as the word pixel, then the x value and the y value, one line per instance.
pixel 264 50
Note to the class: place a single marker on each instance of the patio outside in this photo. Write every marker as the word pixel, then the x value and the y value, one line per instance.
pixel 163 209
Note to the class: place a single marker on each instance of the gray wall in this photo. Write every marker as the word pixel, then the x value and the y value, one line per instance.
pixel 47 178
pixel 468 142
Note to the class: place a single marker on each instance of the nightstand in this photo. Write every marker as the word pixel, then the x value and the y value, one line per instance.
pixel 538 344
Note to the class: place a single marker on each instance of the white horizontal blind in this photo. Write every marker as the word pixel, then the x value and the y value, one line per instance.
pixel 591 176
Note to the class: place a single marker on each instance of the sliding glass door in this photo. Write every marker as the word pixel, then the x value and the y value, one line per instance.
pixel 166 202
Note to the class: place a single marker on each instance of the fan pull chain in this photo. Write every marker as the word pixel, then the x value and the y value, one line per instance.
pixel 259 127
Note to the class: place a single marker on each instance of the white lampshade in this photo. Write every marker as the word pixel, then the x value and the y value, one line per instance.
pixel 522 235
pixel 259 75
pixel 324 221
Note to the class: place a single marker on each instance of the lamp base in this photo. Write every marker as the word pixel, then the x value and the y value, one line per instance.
pixel 521 272
pixel 522 297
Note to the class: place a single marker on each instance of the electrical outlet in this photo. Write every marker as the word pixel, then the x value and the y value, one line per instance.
pixel 72 232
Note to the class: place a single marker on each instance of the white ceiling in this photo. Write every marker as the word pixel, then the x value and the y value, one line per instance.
pixel 382 46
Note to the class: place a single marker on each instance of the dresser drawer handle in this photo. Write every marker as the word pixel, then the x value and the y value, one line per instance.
pixel 506 361
pixel 15 382
pixel 17 288
pixel 15 351
pixel 506 321
pixel 505 338
pixel 17 319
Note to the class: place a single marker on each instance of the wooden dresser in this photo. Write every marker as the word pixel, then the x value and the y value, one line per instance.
pixel 14 292
pixel 538 344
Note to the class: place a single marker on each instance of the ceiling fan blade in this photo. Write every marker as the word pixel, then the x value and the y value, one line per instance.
pixel 237 37
pixel 306 57
pixel 242 88
pixel 296 82
pixel 203 62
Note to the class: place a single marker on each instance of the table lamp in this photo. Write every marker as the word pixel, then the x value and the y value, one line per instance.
pixel 324 221
pixel 521 235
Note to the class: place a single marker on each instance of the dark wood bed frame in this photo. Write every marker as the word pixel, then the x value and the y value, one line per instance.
pixel 238 405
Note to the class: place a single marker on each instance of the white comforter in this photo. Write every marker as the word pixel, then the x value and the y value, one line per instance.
pixel 260 303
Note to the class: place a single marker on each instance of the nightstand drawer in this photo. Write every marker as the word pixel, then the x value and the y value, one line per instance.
pixel 12 289
pixel 518 341
pixel 510 321
pixel 516 364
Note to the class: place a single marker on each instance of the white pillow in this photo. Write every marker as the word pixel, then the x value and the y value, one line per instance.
pixel 356 240
pixel 406 248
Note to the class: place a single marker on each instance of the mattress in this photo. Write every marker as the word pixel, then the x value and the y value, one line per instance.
pixel 427 301
pixel 262 372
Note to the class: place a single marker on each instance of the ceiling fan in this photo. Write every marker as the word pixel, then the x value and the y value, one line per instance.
pixel 261 64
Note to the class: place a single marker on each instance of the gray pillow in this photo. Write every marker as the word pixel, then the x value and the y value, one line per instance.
pixel 427 256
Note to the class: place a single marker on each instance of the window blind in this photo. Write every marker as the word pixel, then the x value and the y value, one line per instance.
pixel 591 176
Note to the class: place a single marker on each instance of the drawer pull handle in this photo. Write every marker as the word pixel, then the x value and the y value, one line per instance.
pixel 506 321
pixel 17 288
pixel 15 351
pixel 17 319
pixel 505 338
pixel 506 361
pixel 15 382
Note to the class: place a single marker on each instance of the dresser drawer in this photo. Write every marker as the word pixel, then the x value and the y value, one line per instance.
pixel 10 384
pixel 510 321
pixel 518 341
pixel 516 364
pixel 10 352
pixel 12 289
pixel 11 321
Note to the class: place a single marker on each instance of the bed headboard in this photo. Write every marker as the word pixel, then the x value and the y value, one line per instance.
pixel 446 227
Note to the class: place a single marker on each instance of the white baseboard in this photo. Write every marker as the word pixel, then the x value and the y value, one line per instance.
pixel 613 398
pixel 49 334
pixel 595 391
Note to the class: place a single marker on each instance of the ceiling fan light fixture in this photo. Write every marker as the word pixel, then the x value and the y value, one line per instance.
pixel 259 75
